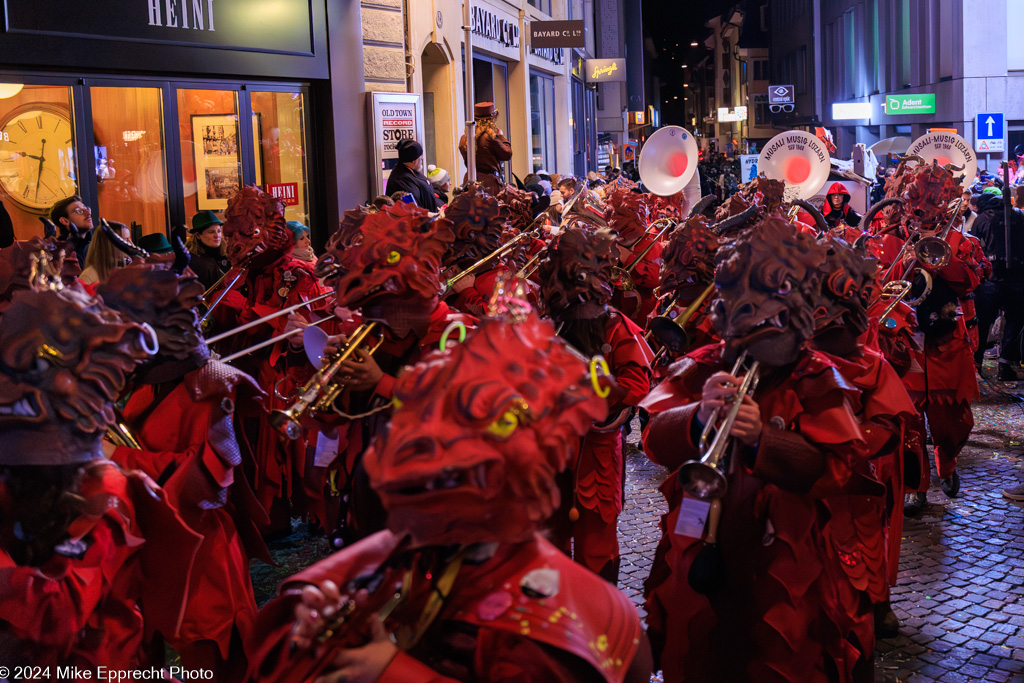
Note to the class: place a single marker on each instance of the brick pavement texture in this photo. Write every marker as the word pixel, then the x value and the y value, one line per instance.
pixel 960 595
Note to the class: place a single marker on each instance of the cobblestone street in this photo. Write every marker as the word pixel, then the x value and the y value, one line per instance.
pixel 960 598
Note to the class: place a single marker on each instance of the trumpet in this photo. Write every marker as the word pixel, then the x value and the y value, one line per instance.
pixel 242 268
pixel 705 478
pixel 624 275
pixel 672 332
pixel 320 391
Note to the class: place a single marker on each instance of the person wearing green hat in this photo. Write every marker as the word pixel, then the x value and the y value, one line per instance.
pixel 209 251
pixel 156 243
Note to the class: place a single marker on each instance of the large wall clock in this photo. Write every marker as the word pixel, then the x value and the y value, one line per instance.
pixel 37 156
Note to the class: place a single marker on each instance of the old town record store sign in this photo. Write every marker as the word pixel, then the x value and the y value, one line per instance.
pixel 281 26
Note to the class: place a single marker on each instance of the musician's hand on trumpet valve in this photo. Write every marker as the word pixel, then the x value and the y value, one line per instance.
pixel 464 283
pixel 718 391
pixel 359 374
pixel 363 664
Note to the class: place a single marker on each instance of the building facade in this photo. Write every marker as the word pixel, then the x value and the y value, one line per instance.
pixel 152 111
pixel 728 88
pixel 946 60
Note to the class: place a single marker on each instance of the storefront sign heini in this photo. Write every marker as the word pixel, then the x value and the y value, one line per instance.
pixel 923 103
pixel 393 118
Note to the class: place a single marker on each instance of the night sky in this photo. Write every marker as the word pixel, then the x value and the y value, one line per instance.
pixel 669 28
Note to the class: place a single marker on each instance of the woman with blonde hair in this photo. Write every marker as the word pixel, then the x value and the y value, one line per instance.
pixel 208 247
pixel 103 255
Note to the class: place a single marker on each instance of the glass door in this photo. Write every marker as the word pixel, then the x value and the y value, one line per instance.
pixel 129 156
pixel 211 159
pixel 279 146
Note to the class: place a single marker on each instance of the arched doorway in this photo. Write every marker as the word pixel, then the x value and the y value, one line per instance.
pixel 439 114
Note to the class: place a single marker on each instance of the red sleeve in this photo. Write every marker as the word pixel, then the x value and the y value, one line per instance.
pixel 50 606
pixel 630 360
pixel 386 386
pixel 407 669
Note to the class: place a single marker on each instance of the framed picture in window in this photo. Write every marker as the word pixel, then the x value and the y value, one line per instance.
pixel 217 159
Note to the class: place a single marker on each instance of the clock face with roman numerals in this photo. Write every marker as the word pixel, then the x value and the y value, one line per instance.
pixel 37 156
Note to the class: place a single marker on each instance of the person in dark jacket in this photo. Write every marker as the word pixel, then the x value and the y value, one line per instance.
pixel 1005 288
pixel 209 252
pixel 406 176
pixel 837 207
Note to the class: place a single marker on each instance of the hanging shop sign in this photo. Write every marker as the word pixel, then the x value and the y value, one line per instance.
pixel 737 114
pixel 557 34
pixel 921 103
pixel 606 70
pixel 229 24
pixel 392 118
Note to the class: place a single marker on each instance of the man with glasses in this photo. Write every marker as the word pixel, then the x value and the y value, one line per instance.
pixel 74 220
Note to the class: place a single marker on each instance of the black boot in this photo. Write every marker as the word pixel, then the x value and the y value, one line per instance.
pixel 914 504
pixel 1006 372
pixel 887 625
pixel 951 486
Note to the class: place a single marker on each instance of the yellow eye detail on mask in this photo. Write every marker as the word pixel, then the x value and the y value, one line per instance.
pixel 504 425
pixel 393 258
pixel 396 403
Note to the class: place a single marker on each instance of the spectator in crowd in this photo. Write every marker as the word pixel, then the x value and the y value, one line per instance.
pixel 155 243
pixel 74 219
pixel 406 176
pixel 103 256
pixel 441 181
pixel 208 248
pixel 837 207
pixel 1006 287
pixel 303 247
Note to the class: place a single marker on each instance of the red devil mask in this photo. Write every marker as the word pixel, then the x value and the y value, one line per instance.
pixel 768 280
pixel 63 362
pixel 689 256
pixel 628 213
pixel 395 252
pixel 479 433
pixel 255 229
pixel 476 224
pixel 576 270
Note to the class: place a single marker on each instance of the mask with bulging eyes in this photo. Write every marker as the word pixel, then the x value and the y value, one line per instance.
pixel 769 281
pixel 576 269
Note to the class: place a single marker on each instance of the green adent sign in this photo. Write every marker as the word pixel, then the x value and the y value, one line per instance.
pixel 923 103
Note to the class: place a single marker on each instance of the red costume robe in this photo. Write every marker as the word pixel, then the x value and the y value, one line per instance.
pixel 282 470
pixel 122 577
pixel 637 305
pixel 781 598
pixel 942 382
pixel 191 427
pixel 497 624
pixel 600 472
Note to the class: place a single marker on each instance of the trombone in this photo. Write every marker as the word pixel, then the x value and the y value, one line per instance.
pixel 623 275
pixel 497 253
pixel 671 333
pixel 242 267
pixel 931 252
pixel 318 394
pixel 259 321
pixel 705 478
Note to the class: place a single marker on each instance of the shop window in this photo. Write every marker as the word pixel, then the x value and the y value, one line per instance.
pixel 211 167
pixel 543 5
pixel 129 156
pixel 279 139
pixel 542 123
pixel 37 152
